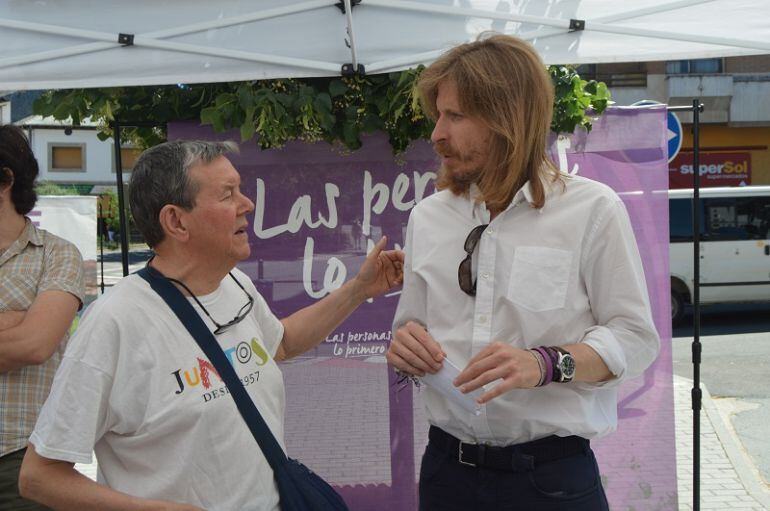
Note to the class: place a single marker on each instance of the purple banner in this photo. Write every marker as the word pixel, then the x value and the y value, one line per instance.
pixel 318 211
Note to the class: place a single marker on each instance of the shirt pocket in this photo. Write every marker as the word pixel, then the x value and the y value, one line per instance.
pixel 540 278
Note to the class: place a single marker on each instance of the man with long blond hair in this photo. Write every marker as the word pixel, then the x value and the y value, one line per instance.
pixel 528 280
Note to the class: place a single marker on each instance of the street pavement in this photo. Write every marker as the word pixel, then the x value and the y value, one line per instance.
pixel 734 369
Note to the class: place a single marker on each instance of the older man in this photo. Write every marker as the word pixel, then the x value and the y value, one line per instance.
pixel 528 279
pixel 136 388
pixel 41 289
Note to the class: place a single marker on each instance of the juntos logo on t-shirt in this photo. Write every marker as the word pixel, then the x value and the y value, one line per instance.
pixel 243 353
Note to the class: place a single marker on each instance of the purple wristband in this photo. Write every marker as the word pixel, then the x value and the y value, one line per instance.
pixel 548 365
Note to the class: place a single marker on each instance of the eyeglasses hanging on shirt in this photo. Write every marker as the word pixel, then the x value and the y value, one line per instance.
pixel 465 270
pixel 242 313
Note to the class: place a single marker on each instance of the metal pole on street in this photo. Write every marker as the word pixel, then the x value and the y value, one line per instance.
pixel 696 392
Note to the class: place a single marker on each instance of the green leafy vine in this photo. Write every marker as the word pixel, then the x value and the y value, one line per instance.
pixel 338 110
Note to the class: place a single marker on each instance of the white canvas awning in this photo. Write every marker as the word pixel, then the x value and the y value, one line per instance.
pixel 77 43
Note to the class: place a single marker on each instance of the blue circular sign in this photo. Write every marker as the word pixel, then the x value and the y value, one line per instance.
pixel 674 135
pixel 673 129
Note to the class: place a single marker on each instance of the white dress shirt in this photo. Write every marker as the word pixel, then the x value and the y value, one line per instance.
pixel 567 273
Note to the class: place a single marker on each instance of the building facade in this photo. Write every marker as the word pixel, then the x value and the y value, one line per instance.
pixel 735 123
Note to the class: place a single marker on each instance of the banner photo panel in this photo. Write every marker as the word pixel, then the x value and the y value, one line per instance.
pixel 319 209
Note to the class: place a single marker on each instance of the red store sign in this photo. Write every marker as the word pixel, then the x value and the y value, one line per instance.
pixel 716 169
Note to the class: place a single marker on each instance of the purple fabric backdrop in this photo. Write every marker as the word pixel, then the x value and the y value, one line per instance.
pixel 318 210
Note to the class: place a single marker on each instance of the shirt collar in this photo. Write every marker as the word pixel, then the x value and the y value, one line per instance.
pixel 525 192
pixel 30 234
pixel 479 209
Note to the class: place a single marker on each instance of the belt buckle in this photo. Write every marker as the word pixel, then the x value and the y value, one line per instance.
pixel 460 456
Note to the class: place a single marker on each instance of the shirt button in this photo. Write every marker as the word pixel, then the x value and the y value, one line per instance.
pixel 490 231
pixel 482 319
pixel 485 275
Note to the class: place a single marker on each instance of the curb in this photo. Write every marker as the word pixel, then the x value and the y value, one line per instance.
pixel 744 467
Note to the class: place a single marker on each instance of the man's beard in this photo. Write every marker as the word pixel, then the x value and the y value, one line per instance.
pixel 457 181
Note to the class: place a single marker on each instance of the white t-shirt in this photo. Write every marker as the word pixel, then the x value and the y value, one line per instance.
pixel 135 388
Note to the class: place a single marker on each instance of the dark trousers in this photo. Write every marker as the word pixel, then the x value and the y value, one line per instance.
pixel 571 483
pixel 9 484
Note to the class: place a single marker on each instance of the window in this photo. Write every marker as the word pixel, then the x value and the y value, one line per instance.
pixel 680 220
pixel 698 66
pixel 128 156
pixel 745 218
pixel 626 74
pixel 587 71
pixel 66 157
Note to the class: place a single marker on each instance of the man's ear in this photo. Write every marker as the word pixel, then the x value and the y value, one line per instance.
pixel 6 174
pixel 173 223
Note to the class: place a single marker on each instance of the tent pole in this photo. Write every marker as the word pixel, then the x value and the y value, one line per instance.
pixel 542 33
pixel 349 18
pixel 696 345
pixel 60 53
pixel 81 49
pixel 696 392
pixel 124 238
pixel 141 41
pixel 100 233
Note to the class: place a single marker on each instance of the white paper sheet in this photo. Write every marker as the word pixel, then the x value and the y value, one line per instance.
pixel 442 383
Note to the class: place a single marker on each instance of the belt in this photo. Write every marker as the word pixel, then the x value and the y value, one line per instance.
pixel 518 457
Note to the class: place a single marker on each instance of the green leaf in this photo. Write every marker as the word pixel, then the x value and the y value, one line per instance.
pixel 337 88
pixel 350 135
pixel 371 124
pixel 213 117
pixel 62 111
pixel 323 102
pixel 247 130
pixel 245 97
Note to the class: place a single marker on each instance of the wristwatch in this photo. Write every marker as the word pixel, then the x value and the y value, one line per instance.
pixel 565 366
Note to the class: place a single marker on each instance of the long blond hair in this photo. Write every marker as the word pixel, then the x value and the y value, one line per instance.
pixel 501 81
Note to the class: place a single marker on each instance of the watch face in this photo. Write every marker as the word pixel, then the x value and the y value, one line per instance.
pixel 567 367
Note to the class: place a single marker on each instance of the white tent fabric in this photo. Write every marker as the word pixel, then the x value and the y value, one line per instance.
pixel 75 43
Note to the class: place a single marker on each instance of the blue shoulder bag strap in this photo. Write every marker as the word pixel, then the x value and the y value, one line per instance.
pixel 205 339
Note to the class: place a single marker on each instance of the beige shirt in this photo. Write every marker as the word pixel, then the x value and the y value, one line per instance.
pixel 567 273
pixel 37 261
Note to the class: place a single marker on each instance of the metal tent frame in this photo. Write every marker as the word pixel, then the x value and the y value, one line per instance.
pixel 347 53
pixel 570 24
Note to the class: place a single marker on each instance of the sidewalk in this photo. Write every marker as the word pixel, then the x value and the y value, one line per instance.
pixel 728 478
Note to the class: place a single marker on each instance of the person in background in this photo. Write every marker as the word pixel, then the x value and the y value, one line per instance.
pixel 41 290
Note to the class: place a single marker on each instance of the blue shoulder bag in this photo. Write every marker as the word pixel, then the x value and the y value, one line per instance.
pixel 300 488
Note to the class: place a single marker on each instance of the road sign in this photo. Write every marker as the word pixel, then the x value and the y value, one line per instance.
pixel 674 135
pixel 673 131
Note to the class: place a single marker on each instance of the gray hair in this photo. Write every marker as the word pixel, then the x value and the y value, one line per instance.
pixel 160 177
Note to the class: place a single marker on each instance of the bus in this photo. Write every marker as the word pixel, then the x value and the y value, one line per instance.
pixel 734 246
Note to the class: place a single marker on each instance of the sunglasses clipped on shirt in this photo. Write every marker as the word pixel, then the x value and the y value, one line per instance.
pixel 465 270
pixel 242 313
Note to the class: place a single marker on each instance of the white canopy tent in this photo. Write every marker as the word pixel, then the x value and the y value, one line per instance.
pixel 60 44
pixel 86 43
